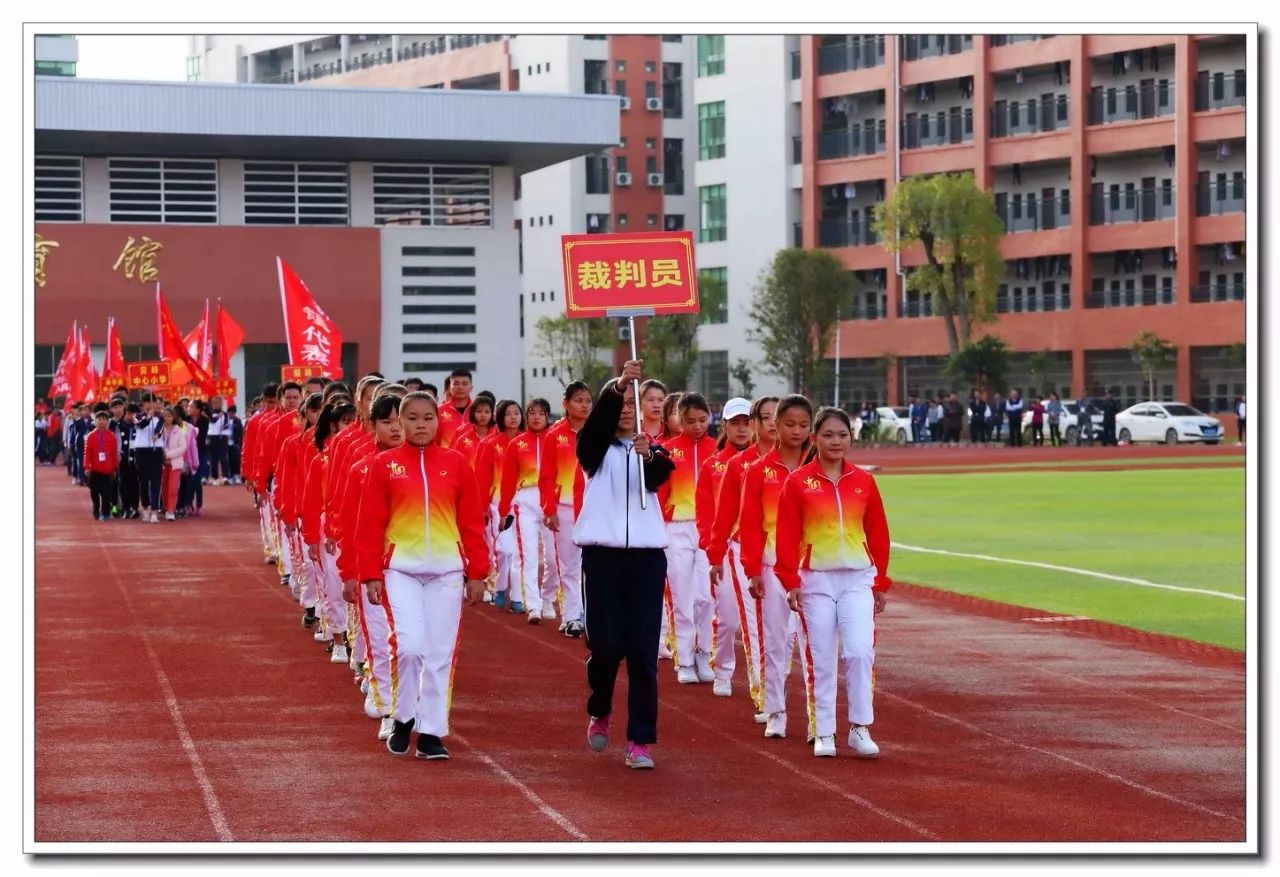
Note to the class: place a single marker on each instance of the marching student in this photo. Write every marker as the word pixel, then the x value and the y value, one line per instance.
pixel 121 424
pixel 148 455
pixel 833 559
pixel 667 426
pixel 420 535
pixel 286 500
pixel 258 424
pixel 374 625
pixel 53 437
pixel 653 393
pixel 101 459
pixel 268 460
pixel 560 486
pixel 757 534
pixel 688 573
pixel 218 437
pixel 174 440
pixel 455 406
pixel 623 565
pixel 79 428
pixel 519 510
pixel 235 441
pixel 490 459
pixel 672 423
pixel 337 415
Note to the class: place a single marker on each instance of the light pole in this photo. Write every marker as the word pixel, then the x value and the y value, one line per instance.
pixel 835 395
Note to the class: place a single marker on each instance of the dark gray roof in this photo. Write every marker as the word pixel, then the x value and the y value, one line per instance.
pixel 116 117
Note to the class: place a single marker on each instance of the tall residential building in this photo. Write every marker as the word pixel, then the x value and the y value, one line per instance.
pixel 56 55
pixel 644 183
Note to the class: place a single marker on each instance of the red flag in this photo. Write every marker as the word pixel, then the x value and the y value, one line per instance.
pixel 61 385
pixel 113 359
pixel 313 338
pixel 227 337
pixel 84 378
pixel 174 348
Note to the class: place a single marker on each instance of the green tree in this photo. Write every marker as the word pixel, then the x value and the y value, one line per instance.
pixel 956 224
pixel 982 364
pixel 793 313
pixel 1038 365
pixel 713 298
pixel 742 373
pixel 670 349
pixel 575 347
pixel 1151 351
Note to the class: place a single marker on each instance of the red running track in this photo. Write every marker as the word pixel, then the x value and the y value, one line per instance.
pixel 179 699
pixel 895 458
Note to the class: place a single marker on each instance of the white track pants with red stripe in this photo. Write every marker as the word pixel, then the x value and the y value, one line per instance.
pixel 530 541
pixel 335 608
pixel 836 612
pixel 727 621
pixel 566 566
pixel 503 560
pixel 374 633
pixel 780 638
pixel 751 624
pixel 425 614
pixel 689 576
pixel 266 528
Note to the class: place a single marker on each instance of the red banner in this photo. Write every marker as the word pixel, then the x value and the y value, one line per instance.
pixel 225 387
pixel 109 385
pixel 227 336
pixel 113 359
pixel 313 338
pixel 652 272
pixel 61 385
pixel 173 347
pixel 144 375
pixel 299 372
pixel 192 391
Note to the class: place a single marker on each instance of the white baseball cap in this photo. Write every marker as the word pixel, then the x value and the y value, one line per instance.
pixel 737 407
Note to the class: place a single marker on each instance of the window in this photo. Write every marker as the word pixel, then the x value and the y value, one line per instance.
pixel 648 67
pixel 438 309
pixel 594 77
pixel 597 175
pixel 650 88
pixel 620 87
pixel 621 162
pixel 295 193
pixel 712 213
pixel 650 143
pixel 651 164
pixel 673 222
pixel 194 63
pixel 59 188
pixel 711 130
pixel 440 329
pixel 444 196
pixel 437 271
pixel 714 283
pixel 710 55
pixel 622 220
pixel 163 190
pixel 433 291
pixel 620 66
pixel 713 368
pixel 673 166
pixel 597 223
pixel 442 347
pixel 651 220
pixel 438 251
pixel 672 91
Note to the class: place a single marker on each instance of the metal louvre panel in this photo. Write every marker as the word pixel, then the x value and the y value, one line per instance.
pixel 433 195
pixel 163 190
pixel 59 188
pixel 296 193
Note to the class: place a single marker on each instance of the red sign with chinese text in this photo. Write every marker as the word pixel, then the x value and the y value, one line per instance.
pixel 192 390
pixel 224 387
pixel 108 386
pixel 300 372
pixel 142 375
pixel 647 271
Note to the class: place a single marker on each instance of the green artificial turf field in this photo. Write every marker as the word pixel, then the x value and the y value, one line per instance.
pixel 1173 527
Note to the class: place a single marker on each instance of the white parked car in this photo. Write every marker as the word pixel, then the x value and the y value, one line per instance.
pixel 894 424
pixel 1168 422
pixel 1068 423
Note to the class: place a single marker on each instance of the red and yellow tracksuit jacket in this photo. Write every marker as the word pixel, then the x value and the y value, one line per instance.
pixel 255 433
pixel 349 508
pixel 678 496
pixel 450 423
pixel 306 453
pixel 273 439
pixel 286 477
pixel 707 495
pixel 338 451
pixel 420 515
pixel 560 478
pixel 467 443
pixel 313 496
pixel 520 467
pixel 758 519
pixel 728 505
pixel 357 449
pixel 490 457
pixel 826 525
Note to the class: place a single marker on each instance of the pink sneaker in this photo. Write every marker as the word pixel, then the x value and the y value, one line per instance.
pixel 598 733
pixel 638 757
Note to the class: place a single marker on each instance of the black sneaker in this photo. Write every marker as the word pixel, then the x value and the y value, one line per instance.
pixel 309 617
pixel 573 629
pixel 284 580
pixel 429 747
pixel 398 742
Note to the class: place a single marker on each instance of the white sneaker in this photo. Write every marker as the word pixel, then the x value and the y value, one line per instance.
pixel 686 675
pixel 339 655
pixel 549 613
pixel 760 718
pixel 534 617
pixel 370 709
pixel 703 663
pixel 155 518
pixel 861 743
pixel 168 516
pixel 776 726
pixel 320 636
pixel 825 747
pixel 388 725
pixel 487 597
pixel 664 652
pixel 722 688
pixel 364 685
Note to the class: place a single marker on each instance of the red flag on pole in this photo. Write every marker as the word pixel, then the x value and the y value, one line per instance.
pixel 228 335
pixel 61 385
pixel 113 359
pixel 173 346
pixel 84 379
pixel 313 338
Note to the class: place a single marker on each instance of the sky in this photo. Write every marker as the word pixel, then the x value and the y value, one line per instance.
pixel 127 56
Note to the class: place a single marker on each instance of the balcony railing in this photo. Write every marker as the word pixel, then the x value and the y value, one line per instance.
pixel 597 86
pixel 1033 301
pixel 1035 214
pixel 845 233
pixel 1132 205
pixel 1130 103
pixel 1010 39
pixel 917 46
pixel 938 130
pixel 1031 117
pixel 855 53
pixel 1217 292
pixel 1217 90
pixel 1130 297
pixel 920 308
pixel 864 311
pixel 1219 197
pixel 859 140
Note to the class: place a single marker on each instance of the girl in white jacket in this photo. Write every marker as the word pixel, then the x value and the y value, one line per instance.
pixel 174 440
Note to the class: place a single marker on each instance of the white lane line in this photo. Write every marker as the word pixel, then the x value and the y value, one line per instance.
pixel 807 776
pixel 1070 569
pixel 211 805
pixel 1133 784
pixel 543 807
